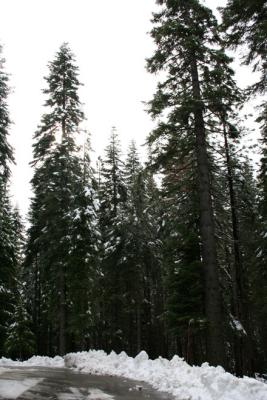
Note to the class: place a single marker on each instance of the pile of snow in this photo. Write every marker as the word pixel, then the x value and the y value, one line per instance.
pixel 35 361
pixel 175 376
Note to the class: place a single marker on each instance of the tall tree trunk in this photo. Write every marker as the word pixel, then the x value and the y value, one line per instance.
pixel 215 350
pixel 62 283
pixel 189 350
pixel 62 312
pixel 37 306
pixel 242 341
pixel 138 326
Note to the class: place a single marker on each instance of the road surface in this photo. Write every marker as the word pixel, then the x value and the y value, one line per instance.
pixel 38 383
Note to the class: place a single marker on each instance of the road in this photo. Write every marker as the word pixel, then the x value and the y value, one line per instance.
pixel 38 383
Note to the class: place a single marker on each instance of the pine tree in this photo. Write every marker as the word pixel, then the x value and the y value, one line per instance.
pixel 182 261
pixel 20 341
pixel 7 246
pixel 8 267
pixel 55 206
pixel 141 260
pixel 235 250
pixel 112 195
pixel 154 288
pixel 83 256
pixel 192 101
pixel 132 255
pixel 260 277
pixel 245 25
pixel 6 151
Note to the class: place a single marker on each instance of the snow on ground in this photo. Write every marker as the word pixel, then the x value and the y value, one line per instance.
pixel 11 389
pixel 175 376
pixel 2 370
pixel 93 394
pixel 35 361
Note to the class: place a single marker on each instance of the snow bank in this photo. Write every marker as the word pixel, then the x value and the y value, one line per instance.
pixel 175 376
pixel 35 361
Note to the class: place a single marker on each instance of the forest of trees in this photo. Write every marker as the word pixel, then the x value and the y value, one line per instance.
pixel 167 255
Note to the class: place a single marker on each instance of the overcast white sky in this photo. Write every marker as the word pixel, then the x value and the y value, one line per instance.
pixel 110 41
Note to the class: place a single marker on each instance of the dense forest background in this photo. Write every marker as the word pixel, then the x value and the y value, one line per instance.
pixel 167 256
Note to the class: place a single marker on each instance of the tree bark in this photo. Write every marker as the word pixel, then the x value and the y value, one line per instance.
pixel 62 313
pixel 241 340
pixel 62 283
pixel 189 350
pixel 215 350
pixel 138 327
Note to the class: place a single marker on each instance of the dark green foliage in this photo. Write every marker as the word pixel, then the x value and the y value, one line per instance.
pixel 132 291
pixel 245 23
pixel 20 340
pixel 112 196
pixel 262 178
pixel 61 242
pixel 259 292
pixel 141 261
pixel 7 228
pixel 182 263
pixel 190 103
pixel 7 267
pixel 6 152
pixel 194 105
pixel 83 258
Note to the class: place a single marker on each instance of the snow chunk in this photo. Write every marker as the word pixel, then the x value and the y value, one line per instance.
pixel 96 394
pixel 141 357
pixel 236 325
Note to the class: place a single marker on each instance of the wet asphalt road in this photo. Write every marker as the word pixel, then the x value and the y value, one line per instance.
pixel 38 383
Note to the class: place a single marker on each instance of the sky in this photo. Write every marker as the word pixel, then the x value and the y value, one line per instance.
pixel 110 41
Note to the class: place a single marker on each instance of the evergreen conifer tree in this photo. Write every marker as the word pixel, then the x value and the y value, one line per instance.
pixel 8 267
pixel 20 341
pixel 245 24
pixel 141 260
pixel 83 256
pixel 182 260
pixel 6 151
pixel 7 245
pixel 198 91
pixel 58 205
pixel 260 276
pixel 112 196
pixel 132 255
